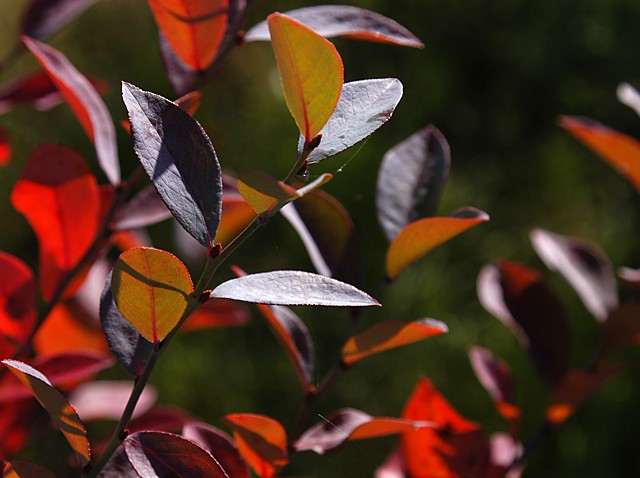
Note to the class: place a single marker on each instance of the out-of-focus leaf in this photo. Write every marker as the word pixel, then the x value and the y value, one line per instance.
pixel 236 215
pixel 5 147
pixel 293 288
pixel 263 192
pixel 17 303
pixel 194 30
pixel 621 329
pixel 179 158
pixel 344 20
pixel 629 274
pixel 85 102
pixel 160 454
pixel 16 420
pixel 622 152
pixel 53 183
pixel 144 209
pixel 452 447
pixel 351 424
pixel 221 447
pixel 518 297
pixel 412 176
pixel 56 405
pixel 106 400
pixel 630 96
pixel 424 235
pixel 190 102
pixel 21 468
pixel 505 452
pixel 311 71
pixel 217 313
pixel 44 18
pixel 387 335
pixel 393 466
pixel 262 441
pixel 363 107
pixel 181 77
pixel 118 466
pixel 160 419
pixel 150 288
pixel 584 265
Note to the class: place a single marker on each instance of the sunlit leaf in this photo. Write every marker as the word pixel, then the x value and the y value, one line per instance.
pixel 56 405
pixel 311 71
pixel 44 18
pixel 424 235
pixel 85 102
pixel 17 303
pixel 584 265
pixel 630 96
pixel 387 335
pixel 621 329
pixel 178 157
pixel 262 441
pixel 21 468
pixel 293 288
pixel 156 454
pixel 345 20
pixel 150 288
pixel 106 400
pixel 263 192
pixel 622 152
pixel 351 424
pixel 53 183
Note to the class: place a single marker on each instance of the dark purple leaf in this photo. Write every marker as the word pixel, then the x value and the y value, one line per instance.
pixel 179 158
pixel 584 265
pixel 630 95
pixel 344 20
pixel 44 18
pixel 293 288
pixel 411 179
pixel 106 400
pixel 21 468
pixel 363 107
pixel 180 75
pixel 129 347
pixel 160 419
pixel 165 455
pixel 144 209
pixel 118 466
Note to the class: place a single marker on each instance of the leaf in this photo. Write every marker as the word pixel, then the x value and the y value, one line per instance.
pixel 181 76
pixel 85 102
pixel 263 192
pixel 387 335
pixel 5 147
pixel 144 209
pixel 160 454
pixel 411 179
pixel 21 468
pixel 179 158
pixel 622 152
pixel 16 422
pixel 393 466
pixel 236 215
pixel 194 30
pixel 261 440
pixel 351 424
pixel 517 296
pixel 215 314
pixel 44 18
pixel 506 456
pixel 584 265
pixel 363 107
pixel 293 288
pixel 424 235
pixel 151 289
pixel 621 329
pixel 220 445
pixel 630 96
pixel 343 20
pixel 311 71
pixel 106 400
pixel 54 181
pixel 56 406
pixel 160 419
pixel 118 466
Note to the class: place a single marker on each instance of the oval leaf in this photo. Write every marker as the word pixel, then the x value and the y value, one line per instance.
pixel 424 235
pixel 179 158
pixel 151 288
pixel 389 335
pixel 43 18
pixel 293 288
pixel 311 71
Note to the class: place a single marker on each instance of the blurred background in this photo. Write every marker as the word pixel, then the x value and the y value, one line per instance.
pixel 494 78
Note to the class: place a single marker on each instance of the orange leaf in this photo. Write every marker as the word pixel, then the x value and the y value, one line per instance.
pixel 236 214
pixel 217 313
pixel 60 199
pixel 263 192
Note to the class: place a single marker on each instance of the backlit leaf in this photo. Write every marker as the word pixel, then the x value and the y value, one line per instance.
pixel 151 288
pixel 293 288
pixel 311 71
pixel 424 235
pixel 85 102
pixel 53 183
pixel 217 313
pixel 106 400
pixel 44 18
pixel 387 335
pixel 622 152
pixel 411 180
pixel 262 441
pixel 630 96
pixel 21 468
pixel 56 405
pixel 347 21
pixel 17 303
pixel 159 454
pixel 179 158
pixel 263 192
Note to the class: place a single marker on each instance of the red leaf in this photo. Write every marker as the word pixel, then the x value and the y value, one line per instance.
pixel 5 148
pixel 160 419
pixel 217 313
pixel 15 423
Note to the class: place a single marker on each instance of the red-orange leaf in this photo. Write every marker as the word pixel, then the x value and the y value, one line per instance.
pixel 5 147
pixel 17 303
pixel 53 184
pixel 217 313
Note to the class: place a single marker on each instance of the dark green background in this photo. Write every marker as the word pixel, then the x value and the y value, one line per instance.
pixel 494 77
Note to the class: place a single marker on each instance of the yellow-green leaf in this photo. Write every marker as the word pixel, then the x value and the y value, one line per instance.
pixel 263 192
pixel 151 289
pixel 311 71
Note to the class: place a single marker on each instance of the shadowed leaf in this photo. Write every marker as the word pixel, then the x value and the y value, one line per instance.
pixel 181 76
pixel 44 18
pixel 144 209
pixel 160 419
pixel 17 303
pixel 217 313
pixel 118 466
pixel 106 400
pixel 621 329
pixel 21 468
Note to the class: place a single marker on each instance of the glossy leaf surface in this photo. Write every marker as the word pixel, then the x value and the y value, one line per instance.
pixel 424 235
pixel 106 400
pixel 44 18
pixel 21 468
pixel 17 303
pixel 263 192
pixel 150 288
pixel 85 102
pixel 178 157
pixel 56 405
pixel 388 335
pixel 311 71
